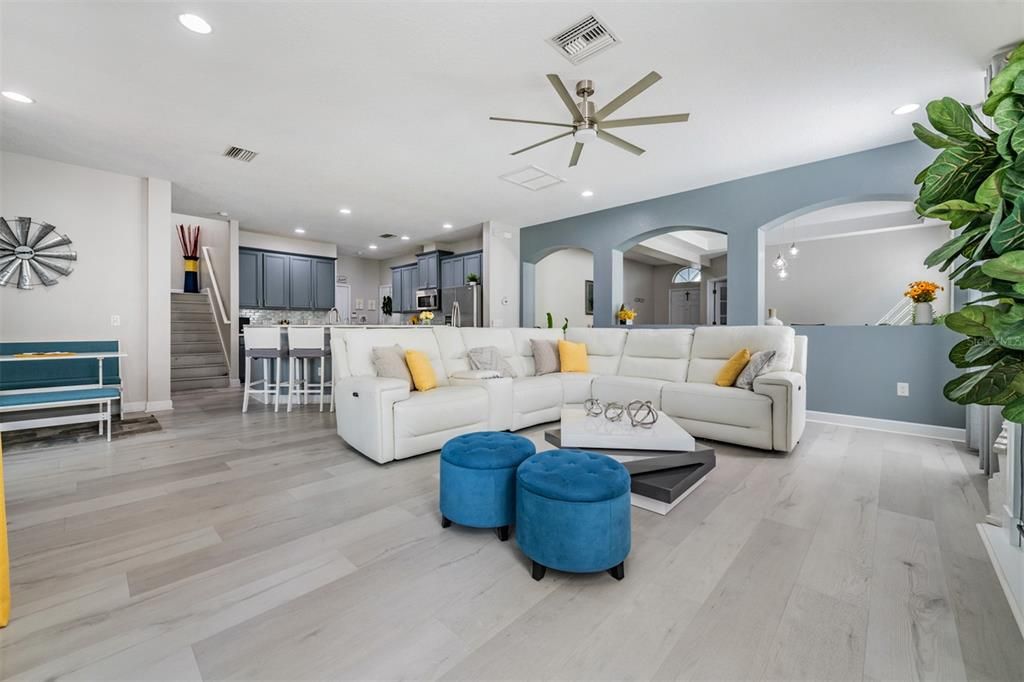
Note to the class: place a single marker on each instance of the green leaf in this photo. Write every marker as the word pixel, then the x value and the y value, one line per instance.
pixel 988 193
pixel 919 178
pixel 950 249
pixel 1003 145
pixel 1008 327
pixel 1004 80
pixel 957 172
pixel 1008 267
pixel 931 139
pixel 975 352
pixel 1012 184
pixel 974 278
pixel 954 208
pixel 970 321
pixel 1018 53
pixel 1017 138
pixel 1009 113
pixel 993 101
pixel 1010 233
pixel 978 122
pixel 951 118
pixel 990 386
pixel 1014 411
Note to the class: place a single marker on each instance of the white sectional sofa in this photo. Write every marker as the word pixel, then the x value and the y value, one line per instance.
pixel 673 368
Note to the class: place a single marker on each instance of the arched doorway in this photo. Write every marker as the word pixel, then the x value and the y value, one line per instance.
pixel 563 288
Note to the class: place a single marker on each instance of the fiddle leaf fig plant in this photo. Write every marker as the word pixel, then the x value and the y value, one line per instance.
pixel 976 183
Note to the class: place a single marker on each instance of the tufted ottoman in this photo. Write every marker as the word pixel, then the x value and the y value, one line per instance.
pixel 573 512
pixel 478 479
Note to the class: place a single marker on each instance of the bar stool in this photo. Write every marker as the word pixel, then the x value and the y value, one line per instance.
pixel 263 343
pixel 307 344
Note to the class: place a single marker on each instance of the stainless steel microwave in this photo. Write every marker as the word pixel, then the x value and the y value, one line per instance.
pixel 428 299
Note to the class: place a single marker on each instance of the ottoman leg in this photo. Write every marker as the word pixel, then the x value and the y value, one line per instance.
pixel 538 571
pixel 445 522
pixel 502 532
pixel 618 572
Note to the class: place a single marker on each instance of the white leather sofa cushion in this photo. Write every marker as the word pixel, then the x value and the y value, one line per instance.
pixel 657 354
pixel 440 409
pixel 522 338
pixel 712 346
pixel 478 337
pixel 716 404
pixel 575 386
pixel 530 394
pixel 359 345
pixel 452 349
pixel 604 346
pixel 626 389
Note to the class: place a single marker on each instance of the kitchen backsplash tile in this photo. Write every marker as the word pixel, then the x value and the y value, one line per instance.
pixel 260 317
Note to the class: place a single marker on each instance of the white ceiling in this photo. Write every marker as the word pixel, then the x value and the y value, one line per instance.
pixel 382 107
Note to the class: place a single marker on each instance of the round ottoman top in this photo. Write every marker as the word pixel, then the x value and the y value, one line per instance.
pixel 487 450
pixel 574 476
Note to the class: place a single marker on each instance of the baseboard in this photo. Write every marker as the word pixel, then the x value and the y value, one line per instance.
pixel 888 425
pixel 133 407
pixel 159 406
pixel 234 383
pixel 1002 559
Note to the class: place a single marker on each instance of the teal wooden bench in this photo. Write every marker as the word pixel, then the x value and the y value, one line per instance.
pixel 90 377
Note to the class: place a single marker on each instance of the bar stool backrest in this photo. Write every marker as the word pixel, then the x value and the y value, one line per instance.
pixel 262 338
pixel 306 338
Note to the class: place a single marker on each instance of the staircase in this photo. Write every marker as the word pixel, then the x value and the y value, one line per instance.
pixel 197 358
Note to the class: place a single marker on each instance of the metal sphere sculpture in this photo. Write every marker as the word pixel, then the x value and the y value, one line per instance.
pixel 642 413
pixel 613 412
pixel 593 407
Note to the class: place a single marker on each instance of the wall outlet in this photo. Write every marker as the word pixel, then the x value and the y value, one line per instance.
pixel 115 320
pixel 902 389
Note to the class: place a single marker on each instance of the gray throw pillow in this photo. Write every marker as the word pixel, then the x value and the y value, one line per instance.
pixel 389 361
pixel 489 357
pixel 758 362
pixel 545 356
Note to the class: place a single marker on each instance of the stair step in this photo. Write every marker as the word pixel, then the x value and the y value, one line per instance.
pixel 195 347
pixel 192 326
pixel 196 359
pixel 179 385
pixel 199 371
pixel 191 314
pixel 200 336
pixel 190 308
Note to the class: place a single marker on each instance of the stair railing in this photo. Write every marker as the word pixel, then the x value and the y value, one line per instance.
pixel 217 304
pixel 900 314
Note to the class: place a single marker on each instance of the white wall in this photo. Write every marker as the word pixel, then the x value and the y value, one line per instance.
pixel 501 275
pixel 273 242
pixel 361 276
pixel 560 287
pixel 638 290
pixel 854 280
pixel 213 233
pixel 106 216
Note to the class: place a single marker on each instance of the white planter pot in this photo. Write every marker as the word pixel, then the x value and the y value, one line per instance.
pixel 923 313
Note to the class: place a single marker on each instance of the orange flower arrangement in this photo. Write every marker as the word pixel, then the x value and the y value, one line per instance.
pixel 922 291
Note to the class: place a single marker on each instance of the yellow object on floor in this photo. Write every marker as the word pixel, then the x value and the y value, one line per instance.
pixel 5 569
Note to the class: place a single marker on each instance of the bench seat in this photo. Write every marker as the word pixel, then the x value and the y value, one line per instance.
pixel 48 397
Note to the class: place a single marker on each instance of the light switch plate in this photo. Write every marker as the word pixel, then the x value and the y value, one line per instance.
pixel 902 389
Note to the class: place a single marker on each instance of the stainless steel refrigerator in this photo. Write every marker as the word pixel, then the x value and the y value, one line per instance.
pixel 463 306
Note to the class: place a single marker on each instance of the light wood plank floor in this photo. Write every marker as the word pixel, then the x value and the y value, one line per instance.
pixel 257 546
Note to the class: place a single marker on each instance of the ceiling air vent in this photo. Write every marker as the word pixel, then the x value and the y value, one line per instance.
pixel 386 235
pixel 532 178
pixel 240 154
pixel 583 40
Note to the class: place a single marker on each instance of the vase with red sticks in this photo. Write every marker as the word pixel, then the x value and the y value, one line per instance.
pixel 188 237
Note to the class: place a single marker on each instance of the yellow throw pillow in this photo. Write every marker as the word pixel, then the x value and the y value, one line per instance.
pixel 732 368
pixel 423 377
pixel 573 356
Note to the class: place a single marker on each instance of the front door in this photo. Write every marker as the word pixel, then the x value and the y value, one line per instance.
pixel 684 305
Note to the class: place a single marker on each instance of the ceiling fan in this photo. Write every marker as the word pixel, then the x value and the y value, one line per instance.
pixel 588 125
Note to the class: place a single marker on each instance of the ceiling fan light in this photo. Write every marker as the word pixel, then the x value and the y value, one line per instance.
pixel 585 135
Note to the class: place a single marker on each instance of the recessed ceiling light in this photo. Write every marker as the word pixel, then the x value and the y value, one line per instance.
pixel 345 211
pixel 447 226
pixel 586 193
pixel 17 97
pixel 405 237
pixel 300 230
pixel 906 109
pixel 372 247
pixel 194 23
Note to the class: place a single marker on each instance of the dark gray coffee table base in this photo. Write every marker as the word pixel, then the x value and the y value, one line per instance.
pixel 659 479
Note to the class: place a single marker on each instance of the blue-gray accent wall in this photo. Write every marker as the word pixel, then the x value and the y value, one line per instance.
pixel 851 370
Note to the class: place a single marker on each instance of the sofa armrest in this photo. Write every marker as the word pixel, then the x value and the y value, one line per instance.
pixel 365 413
pixel 476 374
pixel 499 395
pixel 788 392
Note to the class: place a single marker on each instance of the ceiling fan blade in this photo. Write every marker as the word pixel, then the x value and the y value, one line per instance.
pixel 628 94
pixel 620 143
pixel 645 121
pixel 576 151
pixel 536 123
pixel 550 139
pixel 566 98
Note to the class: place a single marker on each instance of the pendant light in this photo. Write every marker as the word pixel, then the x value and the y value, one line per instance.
pixel 794 250
pixel 783 274
pixel 779 263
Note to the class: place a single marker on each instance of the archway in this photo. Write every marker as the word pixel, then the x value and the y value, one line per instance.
pixel 563 287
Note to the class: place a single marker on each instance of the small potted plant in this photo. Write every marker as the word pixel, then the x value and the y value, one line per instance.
pixel 472 279
pixel 426 317
pixel 922 293
pixel 626 315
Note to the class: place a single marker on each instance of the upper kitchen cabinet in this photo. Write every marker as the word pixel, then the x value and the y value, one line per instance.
pixel 452 273
pixel 300 282
pixel 275 281
pixel 428 269
pixel 250 285
pixel 323 284
pixel 267 279
pixel 472 263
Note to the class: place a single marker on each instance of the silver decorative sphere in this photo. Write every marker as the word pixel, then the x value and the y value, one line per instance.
pixel 613 412
pixel 593 407
pixel 642 413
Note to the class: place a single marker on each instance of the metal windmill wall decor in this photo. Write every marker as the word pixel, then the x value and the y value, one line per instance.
pixel 33 253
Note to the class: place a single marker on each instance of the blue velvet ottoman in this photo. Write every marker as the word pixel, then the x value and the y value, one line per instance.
pixel 478 479
pixel 573 512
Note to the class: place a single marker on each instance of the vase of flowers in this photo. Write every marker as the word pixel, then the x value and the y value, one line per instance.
pixel 626 315
pixel 188 237
pixel 922 293
pixel 426 317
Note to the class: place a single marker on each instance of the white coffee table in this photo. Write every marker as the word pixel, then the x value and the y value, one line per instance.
pixel 664 462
